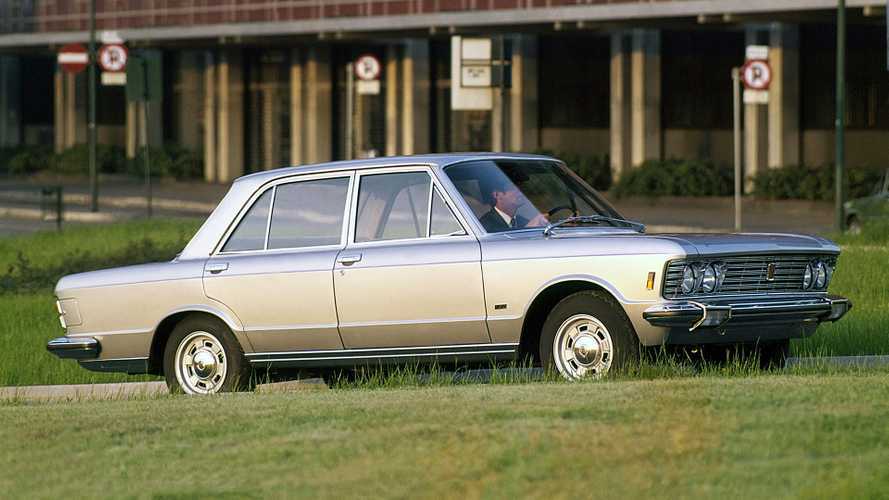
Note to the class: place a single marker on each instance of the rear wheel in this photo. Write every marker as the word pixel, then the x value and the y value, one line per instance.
pixel 586 335
pixel 203 357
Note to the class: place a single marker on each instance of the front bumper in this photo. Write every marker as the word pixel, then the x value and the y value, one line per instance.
pixel 75 347
pixel 724 313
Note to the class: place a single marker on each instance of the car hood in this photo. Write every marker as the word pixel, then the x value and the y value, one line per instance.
pixel 747 243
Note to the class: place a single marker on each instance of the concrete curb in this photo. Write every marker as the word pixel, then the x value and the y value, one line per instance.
pixel 70 215
pixel 853 361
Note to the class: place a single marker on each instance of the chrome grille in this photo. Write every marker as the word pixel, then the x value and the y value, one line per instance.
pixel 747 274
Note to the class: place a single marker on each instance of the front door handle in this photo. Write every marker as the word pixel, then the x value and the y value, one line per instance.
pixel 217 267
pixel 348 260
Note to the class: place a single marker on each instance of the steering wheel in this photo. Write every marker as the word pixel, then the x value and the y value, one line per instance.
pixel 555 210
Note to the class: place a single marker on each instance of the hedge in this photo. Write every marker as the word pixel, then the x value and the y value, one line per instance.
pixel 168 161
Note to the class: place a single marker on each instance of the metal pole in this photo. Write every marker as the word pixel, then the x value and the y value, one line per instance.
pixel 350 105
pixel 146 103
pixel 736 104
pixel 504 130
pixel 841 114
pixel 94 177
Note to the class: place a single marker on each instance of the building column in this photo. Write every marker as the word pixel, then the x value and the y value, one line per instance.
pixel 524 134
pixel 210 112
pixel 755 125
pixel 230 117
pixel 188 99
pixel 646 96
pixel 391 76
pixel 59 119
pixel 10 101
pixel 271 124
pixel 784 107
pixel 71 111
pixel 132 132
pixel 296 108
pixel 318 105
pixel 415 97
pixel 621 105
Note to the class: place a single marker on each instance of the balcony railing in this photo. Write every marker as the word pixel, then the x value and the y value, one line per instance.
pixel 28 16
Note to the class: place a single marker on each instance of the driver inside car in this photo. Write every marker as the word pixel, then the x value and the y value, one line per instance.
pixel 505 199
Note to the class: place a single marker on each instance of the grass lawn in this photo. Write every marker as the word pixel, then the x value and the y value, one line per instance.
pixel 769 436
pixel 30 266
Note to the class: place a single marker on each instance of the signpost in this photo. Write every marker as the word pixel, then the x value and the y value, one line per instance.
pixel 755 75
pixel 113 60
pixel 840 115
pixel 73 58
pixel 144 80
pixel 367 70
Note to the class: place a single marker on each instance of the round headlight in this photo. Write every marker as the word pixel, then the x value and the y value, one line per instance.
pixel 708 282
pixel 807 277
pixel 820 275
pixel 688 280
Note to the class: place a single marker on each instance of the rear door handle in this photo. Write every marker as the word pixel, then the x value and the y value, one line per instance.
pixel 348 260
pixel 217 267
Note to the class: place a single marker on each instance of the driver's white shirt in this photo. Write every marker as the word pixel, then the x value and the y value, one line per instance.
pixel 506 217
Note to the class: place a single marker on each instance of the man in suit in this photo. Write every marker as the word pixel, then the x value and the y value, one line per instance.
pixel 505 199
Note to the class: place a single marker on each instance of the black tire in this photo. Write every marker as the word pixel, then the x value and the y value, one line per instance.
pixel 601 306
pixel 773 354
pixel 237 374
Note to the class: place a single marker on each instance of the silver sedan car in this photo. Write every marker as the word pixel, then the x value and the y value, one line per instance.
pixel 453 258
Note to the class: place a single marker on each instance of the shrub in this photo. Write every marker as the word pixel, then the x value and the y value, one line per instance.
pixel 807 183
pixel 29 160
pixel 675 178
pixel 170 161
pixel 75 160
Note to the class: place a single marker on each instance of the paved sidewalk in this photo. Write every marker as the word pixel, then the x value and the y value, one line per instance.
pixel 122 198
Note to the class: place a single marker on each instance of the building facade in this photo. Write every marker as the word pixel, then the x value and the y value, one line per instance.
pixel 257 84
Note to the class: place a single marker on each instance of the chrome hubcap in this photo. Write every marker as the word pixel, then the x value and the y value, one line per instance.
pixel 582 348
pixel 200 364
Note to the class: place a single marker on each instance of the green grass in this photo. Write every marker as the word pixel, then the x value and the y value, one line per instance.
pixel 768 436
pixel 27 304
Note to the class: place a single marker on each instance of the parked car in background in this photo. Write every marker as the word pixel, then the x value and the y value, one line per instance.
pixel 451 258
pixel 871 208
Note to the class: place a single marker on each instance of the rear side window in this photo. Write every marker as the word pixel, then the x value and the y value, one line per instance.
pixel 308 213
pixel 250 233
pixel 443 221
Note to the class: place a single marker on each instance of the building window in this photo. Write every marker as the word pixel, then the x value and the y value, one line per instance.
pixel 574 81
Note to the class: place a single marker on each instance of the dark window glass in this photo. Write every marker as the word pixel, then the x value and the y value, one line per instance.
pixel 393 206
pixel 308 213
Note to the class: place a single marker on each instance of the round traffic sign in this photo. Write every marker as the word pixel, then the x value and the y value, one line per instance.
pixel 367 67
pixel 756 74
pixel 113 57
pixel 73 58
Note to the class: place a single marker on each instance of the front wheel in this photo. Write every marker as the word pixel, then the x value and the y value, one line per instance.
pixel 203 357
pixel 587 334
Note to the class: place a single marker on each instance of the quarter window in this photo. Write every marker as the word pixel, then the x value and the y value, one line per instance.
pixel 250 233
pixel 443 222
pixel 393 206
pixel 308 213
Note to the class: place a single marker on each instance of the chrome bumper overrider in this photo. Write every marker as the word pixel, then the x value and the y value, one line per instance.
pixel 74 347
pixel 717 313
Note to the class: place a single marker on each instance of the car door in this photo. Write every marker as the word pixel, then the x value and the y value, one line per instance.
pixel 274 269
pixel 407 278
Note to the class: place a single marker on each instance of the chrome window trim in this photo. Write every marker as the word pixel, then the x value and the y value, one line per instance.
pixel 268 221
pixel 350 174
pixel 434 183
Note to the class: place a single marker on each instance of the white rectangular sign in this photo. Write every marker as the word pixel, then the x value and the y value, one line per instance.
pixel 471 96
pixel 756 96
pixel 368 87
pixel 116 78
pixel 757 52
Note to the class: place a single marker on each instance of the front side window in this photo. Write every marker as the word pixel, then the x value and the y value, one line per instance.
pixel 393 206
pixel 308 213
pixel 508 195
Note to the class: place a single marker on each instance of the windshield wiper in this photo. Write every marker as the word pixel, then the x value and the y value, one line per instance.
pixel 589 219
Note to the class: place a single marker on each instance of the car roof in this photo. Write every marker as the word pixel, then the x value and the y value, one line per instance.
pixel 438 159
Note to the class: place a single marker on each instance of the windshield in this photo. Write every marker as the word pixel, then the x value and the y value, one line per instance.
pixel 508 195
